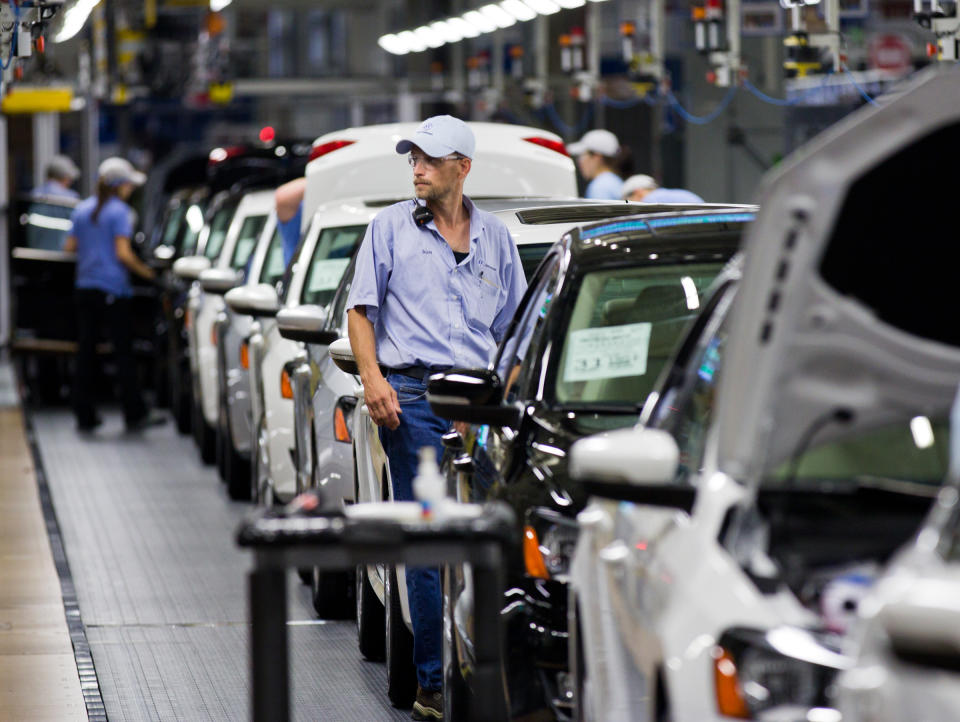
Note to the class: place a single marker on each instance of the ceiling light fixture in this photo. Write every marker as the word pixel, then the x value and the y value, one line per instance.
pixel 463 27
pixel 445 30
pixel 393 44
pixel 479 21
pixel 413 43
pixel 544 7
pixel 518 9
pixel 498 15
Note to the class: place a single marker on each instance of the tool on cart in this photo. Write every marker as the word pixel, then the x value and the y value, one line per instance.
pixel 305 533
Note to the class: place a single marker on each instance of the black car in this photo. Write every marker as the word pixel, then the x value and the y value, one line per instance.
pixel 596 326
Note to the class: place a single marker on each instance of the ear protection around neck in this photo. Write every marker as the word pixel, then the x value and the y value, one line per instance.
pixel 421 214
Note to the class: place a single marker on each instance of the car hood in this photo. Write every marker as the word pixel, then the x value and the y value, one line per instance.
pixel 812 332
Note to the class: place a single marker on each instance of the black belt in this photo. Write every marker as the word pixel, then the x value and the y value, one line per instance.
pixel 420 373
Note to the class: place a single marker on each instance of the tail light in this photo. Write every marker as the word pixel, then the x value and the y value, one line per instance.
pixel 556 146
pixel 329 147
pixel 532 556
pixel 218 155
pixel 342 415
pixel 245 354
pixel 286 388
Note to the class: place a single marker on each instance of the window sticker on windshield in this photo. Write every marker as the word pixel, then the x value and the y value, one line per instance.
pixel 325 275
pixel 608 352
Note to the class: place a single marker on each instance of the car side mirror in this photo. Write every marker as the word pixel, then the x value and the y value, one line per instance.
pixel 189 268
pixel 473 395
pixel 218 280
pixel 923 626
pixel 342 355
pixel 256 300
pixel 306 323
pixel 637 464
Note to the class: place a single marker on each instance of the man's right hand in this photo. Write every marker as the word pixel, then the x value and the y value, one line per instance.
pixel 381 400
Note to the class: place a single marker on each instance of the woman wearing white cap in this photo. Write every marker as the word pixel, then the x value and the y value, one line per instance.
pixel 100 236
pixel 597 155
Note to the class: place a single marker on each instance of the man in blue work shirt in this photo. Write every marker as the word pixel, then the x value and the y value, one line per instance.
pixel 436 283
pixel 61 173
pixel 289 203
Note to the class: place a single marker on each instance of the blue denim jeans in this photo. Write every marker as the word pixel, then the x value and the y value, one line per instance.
pixel 419 427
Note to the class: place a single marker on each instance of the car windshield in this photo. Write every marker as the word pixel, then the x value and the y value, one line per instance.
pixel 331 256
pixel 218 231
pixel 622 329
pixel 172 226
pixel 908 455
pixel 273 267
pixel 247 240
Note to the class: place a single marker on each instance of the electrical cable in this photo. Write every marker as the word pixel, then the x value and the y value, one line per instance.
pixel 701 119
pixel 856 85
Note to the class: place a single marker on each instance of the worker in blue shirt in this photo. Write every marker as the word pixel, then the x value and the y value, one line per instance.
pixel 436 283
pixel 289 204
pixel 100 236
pixel 61 174
pixel 598 154
pixel 645 189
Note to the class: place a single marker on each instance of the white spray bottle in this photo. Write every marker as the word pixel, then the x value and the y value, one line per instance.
pixel 429 486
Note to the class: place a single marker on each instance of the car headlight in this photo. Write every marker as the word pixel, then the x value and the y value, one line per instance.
pixel 781 674
pixel 549 539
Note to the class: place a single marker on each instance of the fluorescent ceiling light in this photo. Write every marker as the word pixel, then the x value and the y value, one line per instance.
pixel 480 22
pixel 413 43
pixel 463 27
pixel 392 44
pixel 498 15
pixel 74 19
pixel 218 5
pixel 518 9
pixel 544 7
pixel 430 37
pixel 448 32
pixel 571 3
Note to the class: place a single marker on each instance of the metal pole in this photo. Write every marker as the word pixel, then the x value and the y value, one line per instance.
pixel 268 645
pixel 46 143
pixel 5 310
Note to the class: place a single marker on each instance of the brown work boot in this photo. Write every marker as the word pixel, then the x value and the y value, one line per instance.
pixel 428 705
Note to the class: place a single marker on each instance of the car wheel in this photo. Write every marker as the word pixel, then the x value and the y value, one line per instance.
pixel 332 593
pixel 180 402
pixel 370 619
pixel 203 434
pixel 401 675
pixel 236 468
pixel 456 691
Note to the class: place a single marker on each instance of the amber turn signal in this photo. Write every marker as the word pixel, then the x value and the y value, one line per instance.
pixel 532 556
pixel 286 389
pixel 730 701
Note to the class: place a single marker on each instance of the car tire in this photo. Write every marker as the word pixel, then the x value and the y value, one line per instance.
pixel 370 619
pixel 456 691
pixel 401 675
pixel 332 593
pixel 236 468
pixel 203 434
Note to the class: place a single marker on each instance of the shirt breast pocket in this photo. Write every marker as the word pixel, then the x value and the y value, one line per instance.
pixel 488 289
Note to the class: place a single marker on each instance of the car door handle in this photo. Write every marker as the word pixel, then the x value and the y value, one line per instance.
pixel 463 464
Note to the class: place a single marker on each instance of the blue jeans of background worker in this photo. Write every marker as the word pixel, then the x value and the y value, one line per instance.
pixel 419 427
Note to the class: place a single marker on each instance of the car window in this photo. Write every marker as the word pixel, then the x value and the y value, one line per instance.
pixel 622 330
pixel 686 406
pixel 273 267
pixel 218 230
pixel 336 319
pixel 530 256
pixel 250 231
pixel 331 256
pixel 529 319
pixel 191 229
pixel 46 225
pixel 172 225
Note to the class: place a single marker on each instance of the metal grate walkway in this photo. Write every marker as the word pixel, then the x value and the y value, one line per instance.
pixel 148 532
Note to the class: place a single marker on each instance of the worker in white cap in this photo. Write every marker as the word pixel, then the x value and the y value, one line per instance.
pixel 101 228
pixel 645 189
pixel 436 284
pixel 61 174
pixel 597 155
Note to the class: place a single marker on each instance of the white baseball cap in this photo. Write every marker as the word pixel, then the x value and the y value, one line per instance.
pixel 61 166
pixel 439 136
pixel 596 141
pixel 118 170
pixel 637 183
